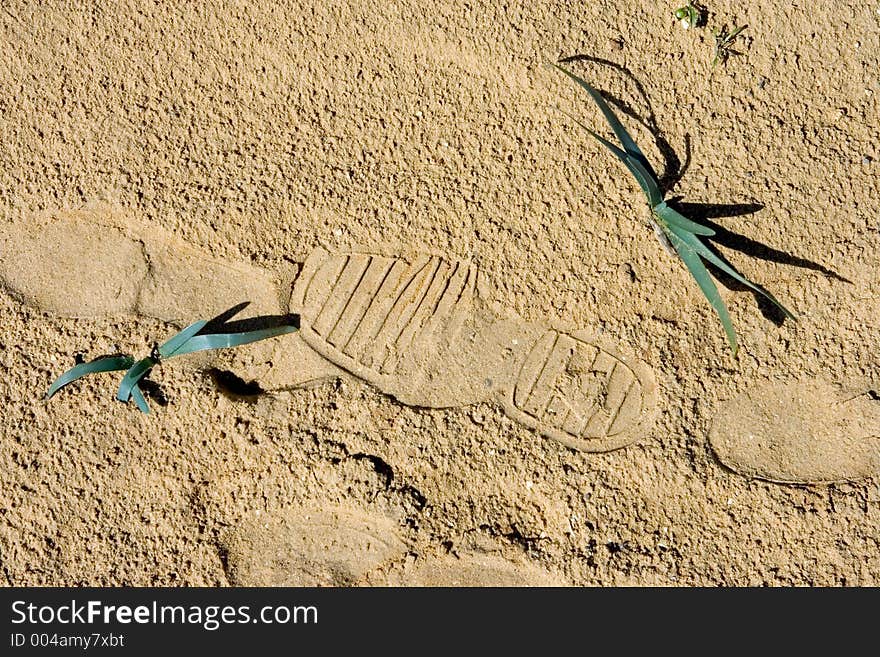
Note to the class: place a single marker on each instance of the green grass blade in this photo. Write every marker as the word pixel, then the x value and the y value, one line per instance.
pixel 168 349
pixel 629 144
pixel 138 397
pixel 670 216
pixel 694 242
pixel 735 32
pixel 646 179
pixel 701 275
pixel 108 364
pixel 137 372
pixel 224 340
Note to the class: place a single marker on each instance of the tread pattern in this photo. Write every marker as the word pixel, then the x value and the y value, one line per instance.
pixel 580 393
pixel 368 311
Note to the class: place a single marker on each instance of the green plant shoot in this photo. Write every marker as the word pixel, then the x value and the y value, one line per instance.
pixel 187 341
pixel 676 232
pixel 724 43
pixel 689 16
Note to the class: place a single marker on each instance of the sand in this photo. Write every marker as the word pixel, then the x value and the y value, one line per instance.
pixel 158 163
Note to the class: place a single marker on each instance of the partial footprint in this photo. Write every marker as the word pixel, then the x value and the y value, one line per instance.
pixel 71 268
pixel 582 393
pixel 800 432
pixel 335 546
pixel 422 332
pixel 103 261
pixel 474 569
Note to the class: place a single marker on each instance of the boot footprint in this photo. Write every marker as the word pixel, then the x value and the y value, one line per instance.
pixel 322 546
pixel 800 432
pixel 422 332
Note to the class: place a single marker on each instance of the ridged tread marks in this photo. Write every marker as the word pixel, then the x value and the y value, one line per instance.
pixel 577 389
pixel 372 310
pixel 394 323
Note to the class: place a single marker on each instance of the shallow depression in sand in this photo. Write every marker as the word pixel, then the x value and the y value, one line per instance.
pixel 800 432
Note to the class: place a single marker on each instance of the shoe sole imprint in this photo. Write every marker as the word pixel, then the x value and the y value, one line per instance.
pixel 588 396
pixel 375 316
pixel 800 431
pixel 371 314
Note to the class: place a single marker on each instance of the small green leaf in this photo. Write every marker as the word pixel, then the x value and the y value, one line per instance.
pixel 138 397
pixel 676 231
pixel 629 144
pixel 670 216
pixel 649 184
pixel 137 372
pixel 735 32
pixel 107 364
pixel 224 340
pixel 185 342
pixel 701 275
pixel 169 348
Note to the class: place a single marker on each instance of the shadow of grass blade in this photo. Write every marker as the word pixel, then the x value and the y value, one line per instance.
pixel 670 216
pixel 224 340
pixel 649 184
pixel 698 270
pixel 109 364
pixel 694 242
pixel 629 144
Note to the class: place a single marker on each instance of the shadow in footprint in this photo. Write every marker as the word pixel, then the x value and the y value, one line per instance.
pixel 227 382
pixel 234 387
pixel 223 323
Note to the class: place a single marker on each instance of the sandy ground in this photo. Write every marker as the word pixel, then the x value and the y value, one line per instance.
pixel 159 161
